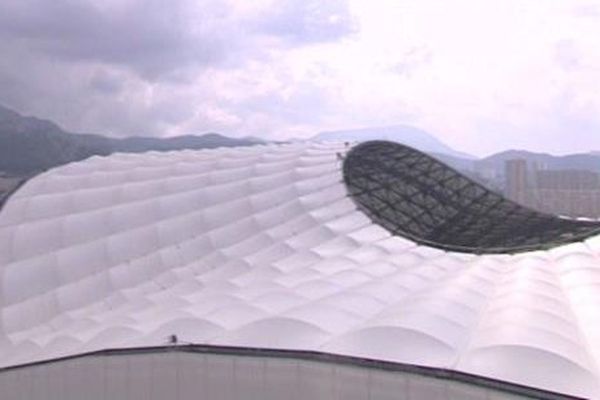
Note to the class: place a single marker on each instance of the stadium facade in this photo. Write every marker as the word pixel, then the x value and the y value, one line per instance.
pixel 301 271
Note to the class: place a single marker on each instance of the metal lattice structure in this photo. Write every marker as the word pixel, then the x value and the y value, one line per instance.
pixel 413 195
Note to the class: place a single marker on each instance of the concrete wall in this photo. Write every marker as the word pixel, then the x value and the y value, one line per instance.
pixel 179 376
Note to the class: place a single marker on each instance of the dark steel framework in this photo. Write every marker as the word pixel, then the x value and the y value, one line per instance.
pixel 413 195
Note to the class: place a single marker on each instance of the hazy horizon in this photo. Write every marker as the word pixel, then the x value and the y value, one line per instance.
pixel 481 76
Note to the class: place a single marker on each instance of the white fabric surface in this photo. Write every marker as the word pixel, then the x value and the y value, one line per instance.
pixel 262 247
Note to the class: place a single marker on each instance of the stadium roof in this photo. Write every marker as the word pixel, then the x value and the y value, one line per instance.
pixel 372 254
pixel 413 195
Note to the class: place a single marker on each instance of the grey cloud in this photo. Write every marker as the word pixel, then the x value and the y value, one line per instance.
pixel 307 21
pixel 124 67
pixel 152 37
pixel 81 98
pixel 157 37
pixel 106 82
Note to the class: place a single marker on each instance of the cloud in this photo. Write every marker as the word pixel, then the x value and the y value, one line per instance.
pixel 106 82
pixel 412 60
pixel 587 10
pixel 122 66
pixel 307 21
pixel 151 37
pixel 154 37
pixel 567 54
pixel 483 75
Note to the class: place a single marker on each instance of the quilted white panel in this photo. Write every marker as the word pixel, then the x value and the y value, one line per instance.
pixel 262 247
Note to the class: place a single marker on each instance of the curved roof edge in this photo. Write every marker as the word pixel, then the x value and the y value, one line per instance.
pixel 321 357
pixel 14 190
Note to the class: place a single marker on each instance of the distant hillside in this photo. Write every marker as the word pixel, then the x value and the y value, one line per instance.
pixel 29 144
pixel 588 161
pixel 459 163
pixel 408 135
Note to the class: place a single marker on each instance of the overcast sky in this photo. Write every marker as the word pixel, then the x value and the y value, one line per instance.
pixel 482 75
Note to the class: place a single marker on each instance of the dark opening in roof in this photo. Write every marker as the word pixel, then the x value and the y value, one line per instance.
pixel 413 195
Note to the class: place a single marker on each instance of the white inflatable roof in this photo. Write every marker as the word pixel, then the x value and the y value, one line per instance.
pixel 261 247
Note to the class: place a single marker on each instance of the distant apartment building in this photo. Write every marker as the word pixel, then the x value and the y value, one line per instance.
pixel 573 193
pixel 517 182
pixel 569 179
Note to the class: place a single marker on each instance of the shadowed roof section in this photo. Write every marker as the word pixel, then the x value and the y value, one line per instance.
pixel 413 195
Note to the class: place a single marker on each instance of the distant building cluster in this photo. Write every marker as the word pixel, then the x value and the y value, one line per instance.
pixel 569 192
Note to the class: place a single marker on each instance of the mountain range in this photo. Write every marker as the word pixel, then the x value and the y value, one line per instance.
pixel 408 135
pixel 29 144
pixel 585 161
